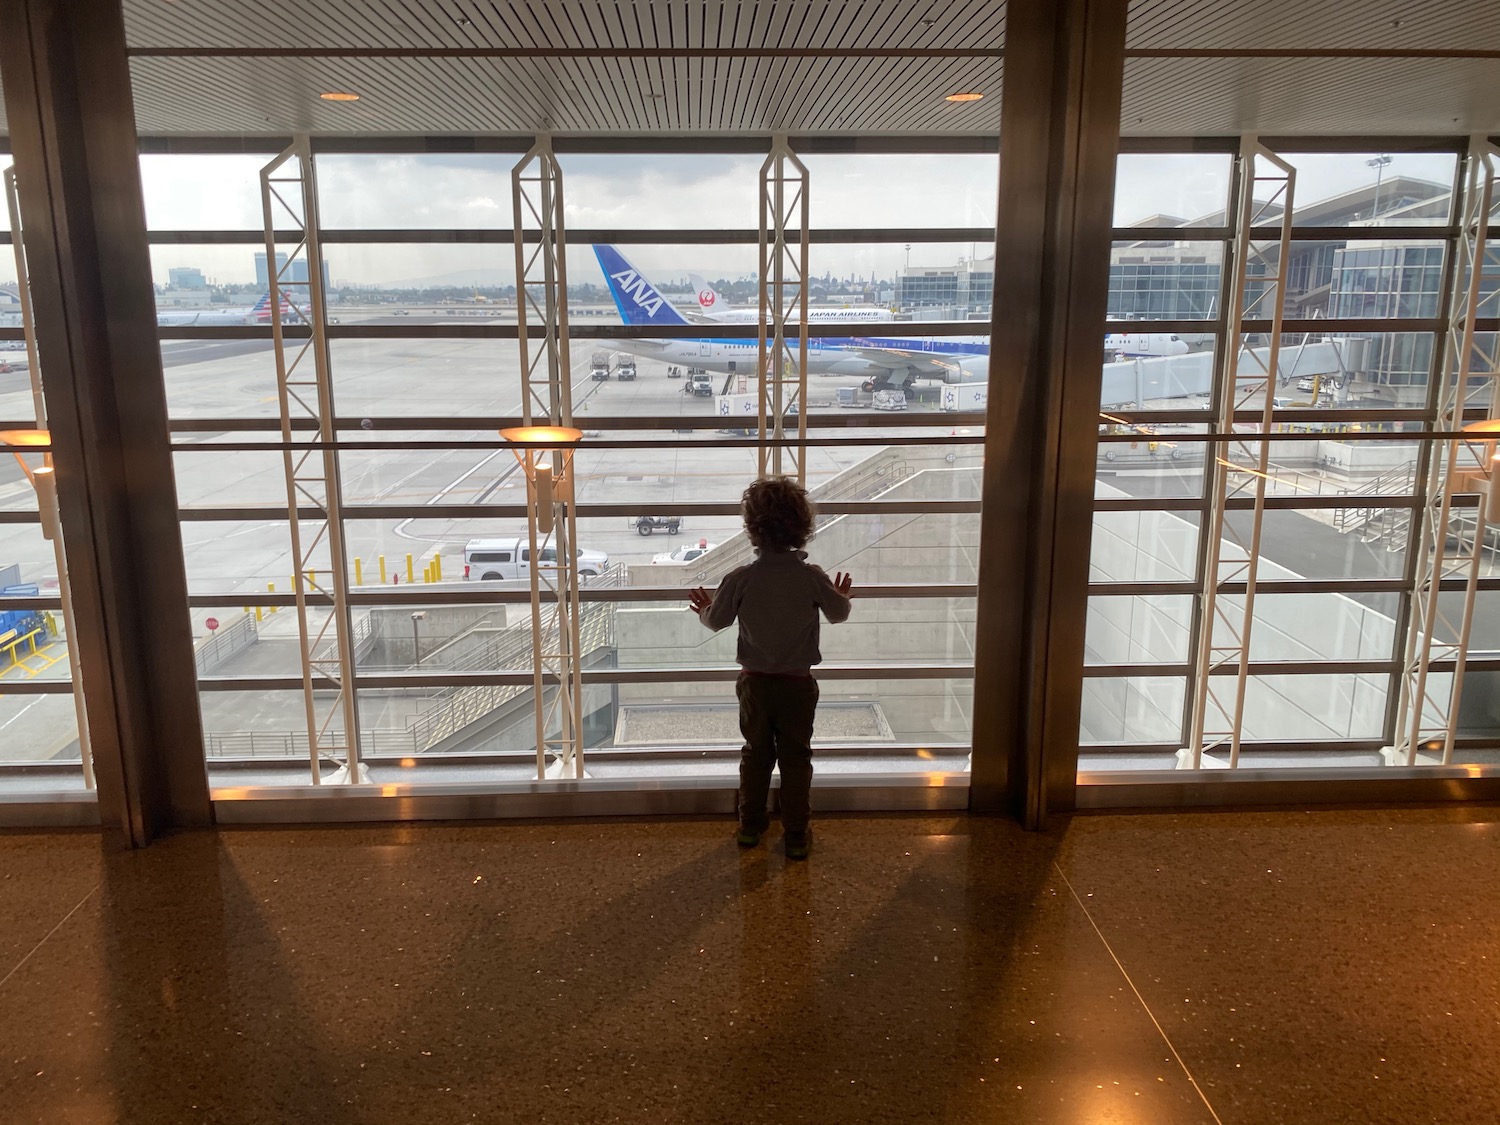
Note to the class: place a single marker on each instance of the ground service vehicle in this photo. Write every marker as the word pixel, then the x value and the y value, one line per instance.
pixel 625 371
pixel 688 552
pixel 701 385
pixel 645 525
pixel 599 367
pixel 493 560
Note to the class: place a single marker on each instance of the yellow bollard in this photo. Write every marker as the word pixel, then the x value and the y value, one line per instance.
pixel 437 568
pixel 359 574
pixel 382 571
pixel 312 577
pixel 410 573
pixel 259 615
pixel 427 573
pixel 271 588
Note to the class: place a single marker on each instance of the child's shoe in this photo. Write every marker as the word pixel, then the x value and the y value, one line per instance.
pixel 798 844
pixel 748 837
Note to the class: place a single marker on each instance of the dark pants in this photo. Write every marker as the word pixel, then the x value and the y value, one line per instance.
pixel 776 718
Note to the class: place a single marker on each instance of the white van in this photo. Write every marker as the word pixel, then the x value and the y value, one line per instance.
pixel 492 560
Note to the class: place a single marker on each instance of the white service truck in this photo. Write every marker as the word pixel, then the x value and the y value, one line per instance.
pixel 493 560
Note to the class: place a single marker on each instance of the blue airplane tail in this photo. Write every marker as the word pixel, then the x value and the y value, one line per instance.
pixel 637 299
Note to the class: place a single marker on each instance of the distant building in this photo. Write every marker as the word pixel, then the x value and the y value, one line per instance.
pixel 1177 278
pixel 186 277
pixel 967 288
pixel 297 274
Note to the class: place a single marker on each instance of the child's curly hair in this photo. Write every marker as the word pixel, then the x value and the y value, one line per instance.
pixel 778 514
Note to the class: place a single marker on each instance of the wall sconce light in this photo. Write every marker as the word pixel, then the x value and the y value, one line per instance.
pixel 1488 433
pixel 546 457
pixel 42 479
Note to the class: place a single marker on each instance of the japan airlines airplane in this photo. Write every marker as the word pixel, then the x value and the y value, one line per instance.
pixel 713 306
pixel 883 361
pixel 260 313
pixel 1119 345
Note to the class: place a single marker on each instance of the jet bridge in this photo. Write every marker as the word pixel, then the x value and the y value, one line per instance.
pixel 1183 376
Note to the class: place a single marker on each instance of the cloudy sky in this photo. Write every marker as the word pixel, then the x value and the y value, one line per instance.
pixel 693 191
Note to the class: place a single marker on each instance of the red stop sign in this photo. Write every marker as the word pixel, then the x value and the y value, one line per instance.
pixel 212 623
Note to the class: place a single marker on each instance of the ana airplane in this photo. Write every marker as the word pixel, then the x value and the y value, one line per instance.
pixel 259 313
pixel 883 361
pixel 713 306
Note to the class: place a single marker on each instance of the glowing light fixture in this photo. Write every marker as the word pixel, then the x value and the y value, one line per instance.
pixel 965 96
pixel 546 457
pixel 339 96
pixel 26 439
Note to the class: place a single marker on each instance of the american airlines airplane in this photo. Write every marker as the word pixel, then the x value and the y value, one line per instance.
pixel 260 313
pixel 713 306
pixel 883 361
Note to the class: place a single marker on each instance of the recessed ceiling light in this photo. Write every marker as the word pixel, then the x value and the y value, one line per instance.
pixel 339 96
pixel 972 96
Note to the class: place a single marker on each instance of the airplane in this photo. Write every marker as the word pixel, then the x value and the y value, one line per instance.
pixel 1143 345
pixel 713 306
pixel 260 313
pixel 885 362
pixel 1121 345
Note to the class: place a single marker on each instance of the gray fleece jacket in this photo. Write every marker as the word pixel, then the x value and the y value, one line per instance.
pixel 776 600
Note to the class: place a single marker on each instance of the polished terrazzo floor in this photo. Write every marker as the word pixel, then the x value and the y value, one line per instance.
pixel 1244 968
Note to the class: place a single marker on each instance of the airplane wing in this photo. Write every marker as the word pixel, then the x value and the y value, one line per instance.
pixel 923 364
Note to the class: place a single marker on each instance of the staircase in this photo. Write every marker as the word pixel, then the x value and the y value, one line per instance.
pixel 1390 525
pixel 459 707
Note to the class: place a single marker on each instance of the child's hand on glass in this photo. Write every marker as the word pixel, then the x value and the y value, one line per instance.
pixel 699 600
pixel 842 582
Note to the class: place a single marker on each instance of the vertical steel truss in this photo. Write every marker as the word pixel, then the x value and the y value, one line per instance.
pixel 782 374
pixel 289 201
pixel 49 519
pixel 1452 545
pixel 547 399
pixel 1230 558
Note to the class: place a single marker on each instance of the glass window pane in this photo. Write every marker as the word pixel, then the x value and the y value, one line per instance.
pixel 203 192
pixel 1171 189
pixel 1164 280
pixel 1144 547
pixel 1132 709
pixel 37 730
pixel 1138 629
pixel 878 190
pixel 1349 188
pixel 397 191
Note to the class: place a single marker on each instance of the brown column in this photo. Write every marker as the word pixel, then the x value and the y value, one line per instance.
pixel 1059 132
pixel 72 129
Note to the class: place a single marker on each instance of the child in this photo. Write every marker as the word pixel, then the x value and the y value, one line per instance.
pixel 776 599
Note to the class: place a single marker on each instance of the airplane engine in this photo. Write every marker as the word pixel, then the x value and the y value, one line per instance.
pixel 968 369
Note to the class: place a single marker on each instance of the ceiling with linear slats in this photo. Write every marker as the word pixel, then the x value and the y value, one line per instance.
pixel 1317 96
pixel 579 24
pixel 835 67
pixel 1283 25
pixel 596 94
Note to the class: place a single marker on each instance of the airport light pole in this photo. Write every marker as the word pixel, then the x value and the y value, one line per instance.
pixel 1379 163
pixel 416 640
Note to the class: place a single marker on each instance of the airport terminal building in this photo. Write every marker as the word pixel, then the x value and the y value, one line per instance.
pixel 366 423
